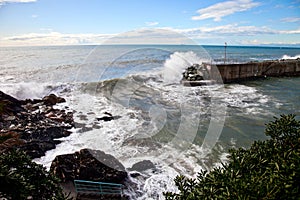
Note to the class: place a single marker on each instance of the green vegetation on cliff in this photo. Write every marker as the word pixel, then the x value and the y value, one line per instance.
pixel 20 178
pixel 268 170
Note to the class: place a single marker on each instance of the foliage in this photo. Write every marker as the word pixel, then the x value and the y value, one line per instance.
pixel 20 178
pixel 268 170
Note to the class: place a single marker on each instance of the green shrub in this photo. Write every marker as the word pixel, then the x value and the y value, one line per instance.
pixel 268 170
pixel 20 178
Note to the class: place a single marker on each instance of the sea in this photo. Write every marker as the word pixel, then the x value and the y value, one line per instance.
pixel 181 130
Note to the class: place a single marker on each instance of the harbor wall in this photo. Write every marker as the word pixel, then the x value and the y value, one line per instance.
pixel 252 70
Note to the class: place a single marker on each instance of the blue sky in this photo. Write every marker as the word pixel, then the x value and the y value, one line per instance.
pixel 67 22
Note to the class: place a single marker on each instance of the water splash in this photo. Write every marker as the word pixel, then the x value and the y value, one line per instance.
pixel 177 63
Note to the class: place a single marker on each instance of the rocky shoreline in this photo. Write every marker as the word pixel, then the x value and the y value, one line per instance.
pixel 34 127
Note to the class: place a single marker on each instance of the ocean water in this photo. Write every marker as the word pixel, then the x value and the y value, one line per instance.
pixel 182 130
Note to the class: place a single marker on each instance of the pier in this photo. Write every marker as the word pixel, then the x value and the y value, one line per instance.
pixel 231 73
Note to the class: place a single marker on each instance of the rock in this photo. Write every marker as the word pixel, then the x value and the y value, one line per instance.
pixel 52 99
pixel 83 117
pixel 143 166
pixel 96 126
pixel 9 105
pixel 37 148
pixel 108 118
pixel 10 118
pixel 9 140
pixel 193 73
pixel 85 129
pixel 135 174
pixel 89 165
pixel 109 114
pixel 37 125
pixel 105 118
pixel 31 101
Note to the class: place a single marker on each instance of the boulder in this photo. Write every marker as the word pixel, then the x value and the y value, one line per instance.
pixel 193 73
pixel 108 117
pixel 143 166
pixel 9 105
pixel 52 99
pixel 91 165
pixel 37 148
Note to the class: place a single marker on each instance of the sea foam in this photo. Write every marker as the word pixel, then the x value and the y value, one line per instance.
pixel 290 57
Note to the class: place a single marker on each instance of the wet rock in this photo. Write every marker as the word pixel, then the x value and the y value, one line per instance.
pixel 52 99
pixel 96 126
pixel 108 118
pixel 82 117
pixel 85 129
pixel 105 118
pixel 89 165
pixel 37 148
pixel 79 125
pixel 9 105
pixel 142 166
pixel 109 114
pixel 135 174
pixel 36 124
pixel 194 73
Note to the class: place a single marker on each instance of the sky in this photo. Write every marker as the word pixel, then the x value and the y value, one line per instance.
pixel 214 22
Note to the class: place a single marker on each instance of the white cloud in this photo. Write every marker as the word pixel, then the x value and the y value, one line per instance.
pixel 166 35
pixel 53 38
pixel 140 36
pixel 219 10
pixel 259 42
pixel 290 31
pixel 228 30
pixel 150 36
pixel 291 19
pixel 151 23
pixel 34 16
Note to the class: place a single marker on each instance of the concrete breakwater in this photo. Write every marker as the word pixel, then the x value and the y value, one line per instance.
pixel 246 71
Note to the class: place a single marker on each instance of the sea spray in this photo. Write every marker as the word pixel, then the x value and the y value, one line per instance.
pixel 34 90
pixel 177 63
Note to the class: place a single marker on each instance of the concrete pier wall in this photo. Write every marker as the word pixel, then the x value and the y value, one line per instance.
pixel 240 72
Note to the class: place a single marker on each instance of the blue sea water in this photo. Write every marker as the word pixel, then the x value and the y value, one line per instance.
pixel 180 129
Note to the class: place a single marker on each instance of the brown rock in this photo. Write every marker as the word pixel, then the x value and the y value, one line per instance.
pixel 89 165
pixel 52 99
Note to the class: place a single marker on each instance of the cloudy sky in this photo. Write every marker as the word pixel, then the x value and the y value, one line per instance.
pixel 68 22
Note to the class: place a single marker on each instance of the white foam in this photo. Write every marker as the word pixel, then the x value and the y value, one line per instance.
pixel 26 90
pixel 177 63
pixel 290 57
pixel 34 90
